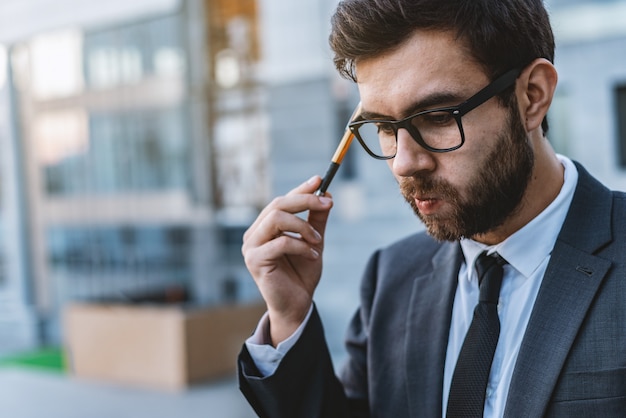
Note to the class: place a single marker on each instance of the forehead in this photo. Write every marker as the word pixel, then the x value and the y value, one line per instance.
pixel 427 64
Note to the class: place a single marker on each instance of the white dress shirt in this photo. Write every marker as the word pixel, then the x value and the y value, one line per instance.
pixel 527 252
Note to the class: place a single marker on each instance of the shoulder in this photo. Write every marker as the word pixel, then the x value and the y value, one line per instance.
pixel 619 199
pixel 619 215
pixel 594 198
pixel 413 253
pixel 596 220
pixel 419 244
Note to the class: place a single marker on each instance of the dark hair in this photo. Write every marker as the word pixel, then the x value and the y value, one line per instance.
pixel 499 34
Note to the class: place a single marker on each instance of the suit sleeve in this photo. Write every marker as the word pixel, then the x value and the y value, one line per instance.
pixel 354 374
pixel 305 385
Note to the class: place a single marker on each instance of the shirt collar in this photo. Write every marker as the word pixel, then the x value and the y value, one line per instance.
pixel 523 250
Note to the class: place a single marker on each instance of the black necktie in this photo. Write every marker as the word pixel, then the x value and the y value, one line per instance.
pixel 471 374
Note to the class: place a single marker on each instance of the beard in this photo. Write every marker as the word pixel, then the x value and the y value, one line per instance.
pixel 494 192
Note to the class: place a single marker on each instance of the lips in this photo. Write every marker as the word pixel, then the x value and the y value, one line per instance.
pixel 428 205
pixel 427 195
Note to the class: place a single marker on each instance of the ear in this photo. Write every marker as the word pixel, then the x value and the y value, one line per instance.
pixel 535 89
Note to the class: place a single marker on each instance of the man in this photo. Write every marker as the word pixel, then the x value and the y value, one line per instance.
pixel 454 97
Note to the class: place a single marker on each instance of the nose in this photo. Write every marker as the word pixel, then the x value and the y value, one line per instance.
pixel 411 158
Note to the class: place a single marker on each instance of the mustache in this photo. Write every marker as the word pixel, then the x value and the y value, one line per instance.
pixel 426 186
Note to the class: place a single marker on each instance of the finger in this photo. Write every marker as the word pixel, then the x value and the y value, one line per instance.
pixel 261 260
pixel 319 218
pixel 277 223
pixel 309 186
pixel 292 204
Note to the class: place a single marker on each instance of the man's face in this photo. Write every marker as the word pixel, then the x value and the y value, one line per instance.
pixel 494 190
pixel 465 192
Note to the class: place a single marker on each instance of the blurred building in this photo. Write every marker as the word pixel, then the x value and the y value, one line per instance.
pixel 134 147
pixel 18 320
pixel 141 138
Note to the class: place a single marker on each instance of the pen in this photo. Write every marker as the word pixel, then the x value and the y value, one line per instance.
pixel 340 153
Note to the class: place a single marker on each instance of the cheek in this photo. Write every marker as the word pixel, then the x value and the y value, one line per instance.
pixel 483 125
pixel 463 171
pixel 480 140
pixel 459 166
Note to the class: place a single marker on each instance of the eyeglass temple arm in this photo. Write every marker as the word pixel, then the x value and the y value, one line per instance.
pixel 496 87
pixel 340 153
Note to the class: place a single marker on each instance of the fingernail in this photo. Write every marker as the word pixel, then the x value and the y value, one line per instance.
pixel 315 253
pixel 312 180
pixel 325 200
pixel 317 235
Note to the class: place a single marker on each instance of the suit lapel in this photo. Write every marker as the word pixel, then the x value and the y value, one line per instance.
pixel 565 296
pixel 428 324
pixel 570 283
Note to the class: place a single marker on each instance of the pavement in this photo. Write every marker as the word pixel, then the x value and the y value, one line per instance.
pixel 29 393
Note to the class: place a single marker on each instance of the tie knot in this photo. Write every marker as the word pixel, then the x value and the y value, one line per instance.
pixel 489 269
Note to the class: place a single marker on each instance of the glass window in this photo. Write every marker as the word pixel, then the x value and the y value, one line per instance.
pixel 119 262
pixel 130 54
pixel 240 147
pixel 134 151
pixel 56 65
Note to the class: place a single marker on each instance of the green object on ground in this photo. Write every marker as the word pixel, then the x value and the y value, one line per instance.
pixel 50 359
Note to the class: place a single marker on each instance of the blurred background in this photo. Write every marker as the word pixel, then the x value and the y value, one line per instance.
pixel 139 139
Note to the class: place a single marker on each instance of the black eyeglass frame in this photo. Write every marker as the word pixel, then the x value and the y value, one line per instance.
pixel 497 86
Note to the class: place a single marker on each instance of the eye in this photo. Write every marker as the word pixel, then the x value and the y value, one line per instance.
pixel 435 118
pixel 385 128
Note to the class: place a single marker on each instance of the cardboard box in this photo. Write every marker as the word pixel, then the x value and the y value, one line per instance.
pixel 156 346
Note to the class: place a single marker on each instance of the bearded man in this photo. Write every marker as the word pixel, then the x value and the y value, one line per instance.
pixel 512 302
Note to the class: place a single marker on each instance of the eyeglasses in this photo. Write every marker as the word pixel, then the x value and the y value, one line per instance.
pixel 437 130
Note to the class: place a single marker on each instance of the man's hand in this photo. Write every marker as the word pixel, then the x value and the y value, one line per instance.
pixel 283 254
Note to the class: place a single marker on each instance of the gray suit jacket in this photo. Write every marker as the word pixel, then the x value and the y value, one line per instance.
pixel 572 362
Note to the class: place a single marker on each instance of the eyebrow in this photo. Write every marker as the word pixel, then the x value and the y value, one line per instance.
pixel 440 99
